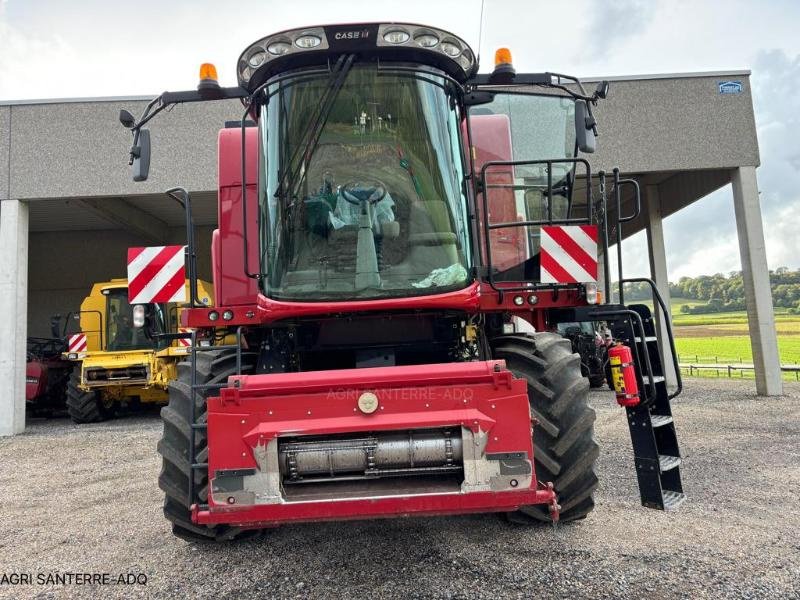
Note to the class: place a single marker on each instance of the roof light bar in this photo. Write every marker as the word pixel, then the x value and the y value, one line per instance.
pixel 402 42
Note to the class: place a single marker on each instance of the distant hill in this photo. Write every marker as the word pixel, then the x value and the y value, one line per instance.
pixel 724 293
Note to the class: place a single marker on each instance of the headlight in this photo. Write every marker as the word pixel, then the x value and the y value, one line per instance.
pixel 450 49
pixel 396 36
pixel 227 315
pixel 213 315
pixel 591 292
pixel 427 40
pixel 257 58
pixel 307 41
pixel 279 48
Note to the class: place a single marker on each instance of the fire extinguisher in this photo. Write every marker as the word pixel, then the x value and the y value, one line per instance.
pixel 623 374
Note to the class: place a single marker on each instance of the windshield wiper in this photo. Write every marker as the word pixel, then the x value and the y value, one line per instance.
pixel 289 185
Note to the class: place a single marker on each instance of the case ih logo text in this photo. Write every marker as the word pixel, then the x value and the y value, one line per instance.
pixel 352 35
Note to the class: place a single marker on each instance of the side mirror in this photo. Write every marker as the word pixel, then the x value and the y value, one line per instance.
pixel 138 316
pixel 584 128
pixel 601 91
pixel 126 118
pixel 141 155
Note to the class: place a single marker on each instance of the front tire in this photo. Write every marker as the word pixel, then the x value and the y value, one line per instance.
pixel 564 447
pixel 82 406
pixel 212 367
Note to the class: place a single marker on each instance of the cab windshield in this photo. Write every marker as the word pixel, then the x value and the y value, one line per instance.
pixel 121 333
pixel 369 202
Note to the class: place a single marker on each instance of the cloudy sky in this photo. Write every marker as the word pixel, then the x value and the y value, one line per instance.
pixel 57 49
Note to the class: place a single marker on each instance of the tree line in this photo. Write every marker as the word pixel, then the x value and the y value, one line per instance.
pixel 722 293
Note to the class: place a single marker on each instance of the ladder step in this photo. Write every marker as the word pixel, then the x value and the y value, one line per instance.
pixel 673 500
pixel 649 338
pixel 667 462
pixel 660 420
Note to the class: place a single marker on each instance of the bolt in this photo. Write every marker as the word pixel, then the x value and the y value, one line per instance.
pixel 231 500
pixel 496 438
pixel 427 406
pixel 270 412
pixel 309 412
pixel 513 482
pixel 244 454
pixel 243 421
pixel 466 401
pixel 493 406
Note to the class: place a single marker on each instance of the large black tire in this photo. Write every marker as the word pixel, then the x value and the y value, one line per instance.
pixel 212 367
pixel 564 447
pixel 82 406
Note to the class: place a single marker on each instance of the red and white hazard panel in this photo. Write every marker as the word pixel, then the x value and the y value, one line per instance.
pixel 568 253
pixel 184 342
pixel 77 343
pixel 156 274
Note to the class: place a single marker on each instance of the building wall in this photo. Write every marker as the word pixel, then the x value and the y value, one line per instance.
pixel 63 265
pixel 674 124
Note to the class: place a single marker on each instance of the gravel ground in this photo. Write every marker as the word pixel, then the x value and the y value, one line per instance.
pixel 85 499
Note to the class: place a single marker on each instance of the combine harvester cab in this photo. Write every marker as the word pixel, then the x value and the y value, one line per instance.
pixel 388 219
pixel 121 355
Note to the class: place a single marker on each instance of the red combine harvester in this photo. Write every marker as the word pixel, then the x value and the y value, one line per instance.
pixel 389 222
pixel 47 373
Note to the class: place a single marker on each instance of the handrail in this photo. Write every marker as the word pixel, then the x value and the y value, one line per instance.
pixel 667 322
pixel 488 227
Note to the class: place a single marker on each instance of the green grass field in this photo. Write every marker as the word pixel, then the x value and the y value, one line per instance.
pixel 724 338
pixel 732 348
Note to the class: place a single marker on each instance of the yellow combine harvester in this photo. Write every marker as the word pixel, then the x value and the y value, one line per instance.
pixel 119 362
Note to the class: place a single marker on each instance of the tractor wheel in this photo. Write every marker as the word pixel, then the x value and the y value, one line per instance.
pixel 564 447
pixel 212 367
pixel 83 406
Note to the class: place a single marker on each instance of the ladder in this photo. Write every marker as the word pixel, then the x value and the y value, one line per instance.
pixel 655 446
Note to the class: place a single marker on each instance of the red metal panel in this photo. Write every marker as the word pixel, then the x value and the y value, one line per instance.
pixel 433 504
pixel 233 287
pixel 254 409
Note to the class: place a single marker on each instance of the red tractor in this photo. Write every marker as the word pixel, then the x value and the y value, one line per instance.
pixel 398 236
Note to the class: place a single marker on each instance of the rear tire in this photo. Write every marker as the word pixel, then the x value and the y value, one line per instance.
pixel 212 367
pixel 82 406
pixel 564 447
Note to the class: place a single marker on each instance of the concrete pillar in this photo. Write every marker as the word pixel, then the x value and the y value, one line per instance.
pixel 14 311
pixel 658 273
pixel 755 273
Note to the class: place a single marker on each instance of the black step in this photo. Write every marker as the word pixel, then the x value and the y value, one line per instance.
pixel 673 500
pixel 660 420
pixel 667 462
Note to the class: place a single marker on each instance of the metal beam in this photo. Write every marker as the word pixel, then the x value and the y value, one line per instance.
pixel 755 275
pixel 121 213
